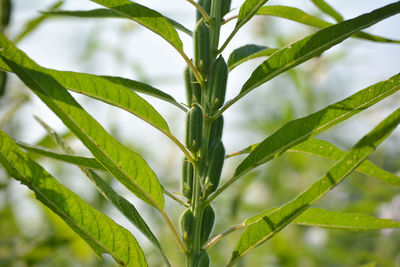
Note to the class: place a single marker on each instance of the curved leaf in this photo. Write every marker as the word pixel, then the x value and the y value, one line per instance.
pixel 124 164
pixel 324 149
pixel 90 163
pixel 98 230
pixel 266 227
pixel 327 9
pixel 147 17
pixel 247 52
pixel 313 45
pixel 108 13
pixel 299 130
pixel 300 16
pixel 345 221
pixel 247 10
pixel 111 90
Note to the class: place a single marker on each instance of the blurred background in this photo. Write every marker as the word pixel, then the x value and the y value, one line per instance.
pixel 30 235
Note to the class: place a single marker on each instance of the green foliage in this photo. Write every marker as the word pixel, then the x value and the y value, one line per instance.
pixel 205 77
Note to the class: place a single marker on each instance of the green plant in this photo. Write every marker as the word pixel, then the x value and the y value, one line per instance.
pixel 203 152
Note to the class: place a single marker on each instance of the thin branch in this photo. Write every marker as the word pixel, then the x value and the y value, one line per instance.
pixel 223 234
pixel 174 232
pixel 201 10
pixel 231 18
pixel 172 196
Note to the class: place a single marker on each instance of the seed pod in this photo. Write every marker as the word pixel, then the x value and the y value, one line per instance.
pixel 216 130
pixel 187 226
pixel 203 260
pixel 217 84
pixel 194 128
pixel 196 89
pixel 3 82
pixel 207 223
pixel 206 5
pixel 215 160
pixel 226 7
pixel 187 178
pixel 202 46
pixel 188 86
pixel 5 13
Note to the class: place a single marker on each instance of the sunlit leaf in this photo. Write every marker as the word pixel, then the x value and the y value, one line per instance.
pixel 124 164
pixel 123 205
pixel 313 45
pixel 299 130
pixel 111 90
pixel 108 13
pixel 345 221
pixel 98 230
pixel 324 149
pixel 247 10
pixel 300 16
pixel 247 52
pixel 272 223
pixel 147 17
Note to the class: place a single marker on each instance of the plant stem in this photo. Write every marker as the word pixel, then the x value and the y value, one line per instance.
pixel 201 10
pixel 174 232
pixel 223 234
pixel 172 196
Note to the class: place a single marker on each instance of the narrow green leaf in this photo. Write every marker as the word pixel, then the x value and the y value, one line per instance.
pixel 123 205
pixel 125 165
pixel 147 17
pixel 108 13
pixel 265 228
pixel 345 221
pixel 90 163
pixel 247 52
pixel 300 16
pixel 313 45
pixel 98 230
pixel 31 25
pixel 299 130
pixel 111 90
pixel 324 149
pixel 328 9
pixel 247 10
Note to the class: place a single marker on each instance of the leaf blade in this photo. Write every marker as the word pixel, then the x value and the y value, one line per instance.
pixel 265 228
pixel 147 17
pixel 107 13
pixel 298 15
pixel 90 163
pixel 247 52
pixel 247 10
pixel 313 45
pixel 125 165
pixel 299 130
pixel 93 226
pixel 344 221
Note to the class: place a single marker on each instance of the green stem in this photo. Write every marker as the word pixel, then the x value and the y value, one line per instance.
pixel 201 10
pixel 215 25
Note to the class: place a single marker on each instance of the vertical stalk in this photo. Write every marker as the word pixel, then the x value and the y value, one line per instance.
pixel 197 202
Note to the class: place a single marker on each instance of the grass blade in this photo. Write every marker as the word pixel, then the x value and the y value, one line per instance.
pixel 344 221
pixel 295 14
pixel 247 52
pixel 124 164
pixel 108 13
pixel 266 227
pixel 98 230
